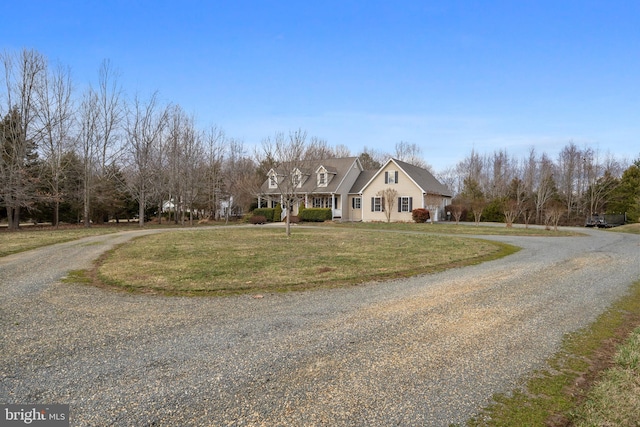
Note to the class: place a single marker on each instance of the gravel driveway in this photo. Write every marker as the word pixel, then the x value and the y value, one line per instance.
pixel 425 351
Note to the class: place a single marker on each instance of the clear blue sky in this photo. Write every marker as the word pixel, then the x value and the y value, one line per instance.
pixel 450 76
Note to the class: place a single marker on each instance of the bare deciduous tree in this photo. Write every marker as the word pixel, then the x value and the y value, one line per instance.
pixel 284 156
pixel 145 124
pixel 388 196
pixel 56 117
pixel 23 75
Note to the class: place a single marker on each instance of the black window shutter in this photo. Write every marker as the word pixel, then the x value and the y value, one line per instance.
pixel 399 204
pixel 373 201
pixel 396 181
pixel 386 177
pixel 382 204
pixel 410 204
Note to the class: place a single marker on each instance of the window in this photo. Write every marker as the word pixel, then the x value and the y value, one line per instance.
pixel 318 202
pixel 322 179
pixel 405 204
pixel 296 179
pixel 377 204
pixel 273 183
pixel 391 177
pixel 356 203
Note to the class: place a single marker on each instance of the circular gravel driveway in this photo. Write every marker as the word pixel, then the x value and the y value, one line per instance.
pixel 425 351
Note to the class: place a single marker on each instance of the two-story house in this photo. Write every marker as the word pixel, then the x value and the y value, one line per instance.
pixel 354 194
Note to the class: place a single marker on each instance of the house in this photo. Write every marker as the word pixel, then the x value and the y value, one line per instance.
pixel 354 194
pixel 320 184
pixel 414 187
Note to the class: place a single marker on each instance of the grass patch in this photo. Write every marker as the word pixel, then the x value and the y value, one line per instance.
pixel 20 241
pixel 628 228
pixel 77 276
pixel 615 398
pixel 452 228
pixel 556 396
pixel 250 260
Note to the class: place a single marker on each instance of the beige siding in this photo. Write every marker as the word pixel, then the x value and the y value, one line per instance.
pixel 405 188
pixel 352 214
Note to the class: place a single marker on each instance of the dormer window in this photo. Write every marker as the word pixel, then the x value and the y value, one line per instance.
pixel 296 178
pixel 322 179
pixel 273 181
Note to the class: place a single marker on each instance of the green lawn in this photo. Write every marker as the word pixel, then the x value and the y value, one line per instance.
pixel 262 259
pixel 20 241
pixel 452 228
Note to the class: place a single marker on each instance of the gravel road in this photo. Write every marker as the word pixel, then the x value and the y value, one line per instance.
pixel 425 351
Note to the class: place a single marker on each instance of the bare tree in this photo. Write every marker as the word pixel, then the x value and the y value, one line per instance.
pixel 100 117
pixel 388 196
pixel 477 207
pixel 545 185
pixel 411 153
pixel 568 172
pixel 23 75
pixel 215 143
pixel 284 156
pixel 552 215
pixel 145 124
pixel 56 118
pixel 456 210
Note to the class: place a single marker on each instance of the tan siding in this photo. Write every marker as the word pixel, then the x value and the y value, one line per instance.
pixel 405 188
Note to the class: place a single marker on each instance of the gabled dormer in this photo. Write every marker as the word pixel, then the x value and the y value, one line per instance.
pixel 297 178
pixel 324 175
pixel 272 179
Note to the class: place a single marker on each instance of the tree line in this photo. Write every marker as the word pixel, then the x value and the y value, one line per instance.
pixel 98 155
pixel 536 188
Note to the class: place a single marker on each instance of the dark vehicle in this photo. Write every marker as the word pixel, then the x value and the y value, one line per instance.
pixel 606 221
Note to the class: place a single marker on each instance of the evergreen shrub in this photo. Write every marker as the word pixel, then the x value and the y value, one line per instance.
pixel 315 214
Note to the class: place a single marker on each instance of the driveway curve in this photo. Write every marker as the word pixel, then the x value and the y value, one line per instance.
pixel 430 350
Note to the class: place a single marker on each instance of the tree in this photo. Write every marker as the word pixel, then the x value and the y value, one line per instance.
pixel 625 198
pixel 412 154
pixel 552 214
pixel 55 117
pixel 511 210
pixel 100 116
pixel 145 124
pixel 19 135
pixel 284 157
pixel 370 159
pixel 389 196
pixel 456 210
pixel 546 188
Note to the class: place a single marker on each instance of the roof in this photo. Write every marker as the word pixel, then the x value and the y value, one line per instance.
pixel 362 180
pixel 421 177
pixel 424 179
pixel 338 167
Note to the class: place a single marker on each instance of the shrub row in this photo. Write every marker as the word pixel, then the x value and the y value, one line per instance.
pixel 315 214
pixel 267 213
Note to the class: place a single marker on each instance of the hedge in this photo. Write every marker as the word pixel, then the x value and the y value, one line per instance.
pixel 265 212
pixel 315 214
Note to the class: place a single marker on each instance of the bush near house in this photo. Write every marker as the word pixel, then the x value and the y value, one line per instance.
pixel 315 214
pixel 265 212
pixel 257 219
pixel 277 213
pixel 420 215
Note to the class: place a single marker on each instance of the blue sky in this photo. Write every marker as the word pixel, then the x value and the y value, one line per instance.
pixel 450 76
